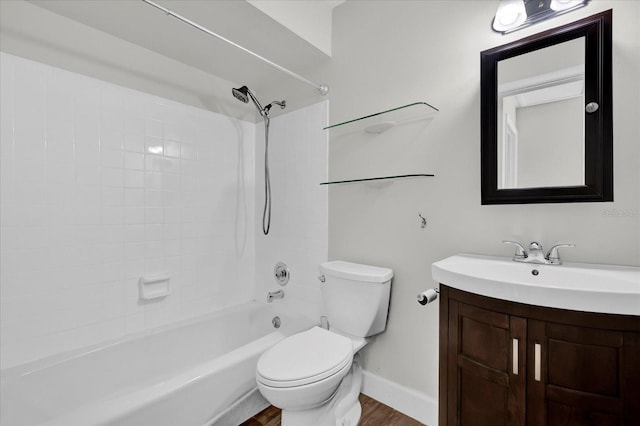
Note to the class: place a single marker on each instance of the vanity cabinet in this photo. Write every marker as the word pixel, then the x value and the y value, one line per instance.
pixel 507 363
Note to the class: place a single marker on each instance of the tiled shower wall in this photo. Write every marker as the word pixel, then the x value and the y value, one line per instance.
pixel 100 185
pixel 299 218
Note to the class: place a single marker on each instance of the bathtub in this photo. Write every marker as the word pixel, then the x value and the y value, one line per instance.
pixel 185 374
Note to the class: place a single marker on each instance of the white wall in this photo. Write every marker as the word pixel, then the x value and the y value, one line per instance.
pixel 310 20
pixel 390 53
pixel 101 184
pixel 299 215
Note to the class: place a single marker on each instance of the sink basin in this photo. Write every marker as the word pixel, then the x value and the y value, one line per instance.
pixel 576 286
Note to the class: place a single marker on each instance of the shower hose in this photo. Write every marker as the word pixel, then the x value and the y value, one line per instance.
pixel 266 213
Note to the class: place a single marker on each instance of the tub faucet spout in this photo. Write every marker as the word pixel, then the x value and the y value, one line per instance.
pixel 275 295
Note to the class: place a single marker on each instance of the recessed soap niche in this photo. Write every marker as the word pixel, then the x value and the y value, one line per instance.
pixel 153 287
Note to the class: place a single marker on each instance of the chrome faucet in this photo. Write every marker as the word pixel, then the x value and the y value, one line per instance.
pixel 535 253
pixel 275 295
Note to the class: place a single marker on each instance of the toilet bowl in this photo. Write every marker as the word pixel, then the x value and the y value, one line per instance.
pixel 304 370
pixel 315 376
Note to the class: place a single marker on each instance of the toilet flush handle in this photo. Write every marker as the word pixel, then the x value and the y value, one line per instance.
pixel 321 278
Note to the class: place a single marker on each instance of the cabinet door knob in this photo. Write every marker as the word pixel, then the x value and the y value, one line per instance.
pixel 591 107
pixel 536 359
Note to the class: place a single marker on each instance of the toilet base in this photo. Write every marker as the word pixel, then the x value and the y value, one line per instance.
pixel 342 409
pixel 321 416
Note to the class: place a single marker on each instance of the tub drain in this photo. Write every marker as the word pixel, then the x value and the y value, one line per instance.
pixel 276 322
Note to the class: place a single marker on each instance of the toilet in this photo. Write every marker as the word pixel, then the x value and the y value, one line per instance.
pixel 314 376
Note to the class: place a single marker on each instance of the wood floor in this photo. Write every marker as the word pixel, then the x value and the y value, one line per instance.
pixel 374 413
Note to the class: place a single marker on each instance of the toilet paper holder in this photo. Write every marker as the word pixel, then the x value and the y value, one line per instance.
pixel 428 296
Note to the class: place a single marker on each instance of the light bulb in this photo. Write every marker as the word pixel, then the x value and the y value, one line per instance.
pixel 511 14
pixel 559 5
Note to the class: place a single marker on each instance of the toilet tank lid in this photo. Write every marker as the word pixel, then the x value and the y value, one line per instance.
pixel 356 271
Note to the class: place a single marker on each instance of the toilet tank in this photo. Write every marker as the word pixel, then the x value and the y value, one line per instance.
pixel 356 297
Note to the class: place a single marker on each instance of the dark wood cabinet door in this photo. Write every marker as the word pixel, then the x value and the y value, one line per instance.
pixel 487 359
pixel 568 368
pixel 582 376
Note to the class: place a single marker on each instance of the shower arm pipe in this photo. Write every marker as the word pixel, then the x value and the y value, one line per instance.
pixel 323 89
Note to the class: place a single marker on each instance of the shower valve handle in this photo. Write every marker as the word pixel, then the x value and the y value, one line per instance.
pixel 281 273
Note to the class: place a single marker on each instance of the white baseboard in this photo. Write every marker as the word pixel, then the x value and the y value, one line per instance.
pixel 407 401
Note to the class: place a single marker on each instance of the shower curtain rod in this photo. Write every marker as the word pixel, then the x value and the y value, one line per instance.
pixel 322 88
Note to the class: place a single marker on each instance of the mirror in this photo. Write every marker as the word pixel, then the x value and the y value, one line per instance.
pixel 541 117
pixel 546 116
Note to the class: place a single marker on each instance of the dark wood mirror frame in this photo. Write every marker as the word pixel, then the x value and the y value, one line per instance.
pixel 598 125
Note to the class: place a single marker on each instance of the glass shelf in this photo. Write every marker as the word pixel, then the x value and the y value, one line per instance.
pixel 377 179
pixel 384 120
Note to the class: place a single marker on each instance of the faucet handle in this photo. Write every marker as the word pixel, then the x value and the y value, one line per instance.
pixel 553 256
pixel 521 253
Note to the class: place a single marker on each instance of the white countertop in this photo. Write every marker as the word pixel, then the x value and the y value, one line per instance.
pixel 576 286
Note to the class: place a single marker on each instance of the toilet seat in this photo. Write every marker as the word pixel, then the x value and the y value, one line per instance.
pixel 305 358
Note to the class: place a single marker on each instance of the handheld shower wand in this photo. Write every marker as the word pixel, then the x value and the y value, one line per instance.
pixel 243 94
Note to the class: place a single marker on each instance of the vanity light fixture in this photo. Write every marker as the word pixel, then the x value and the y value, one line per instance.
pixel 513 15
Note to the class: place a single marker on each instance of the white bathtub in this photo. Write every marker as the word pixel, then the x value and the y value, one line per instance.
pixel 185 374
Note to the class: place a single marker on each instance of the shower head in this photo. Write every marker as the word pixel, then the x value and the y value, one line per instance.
pixel 241 94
